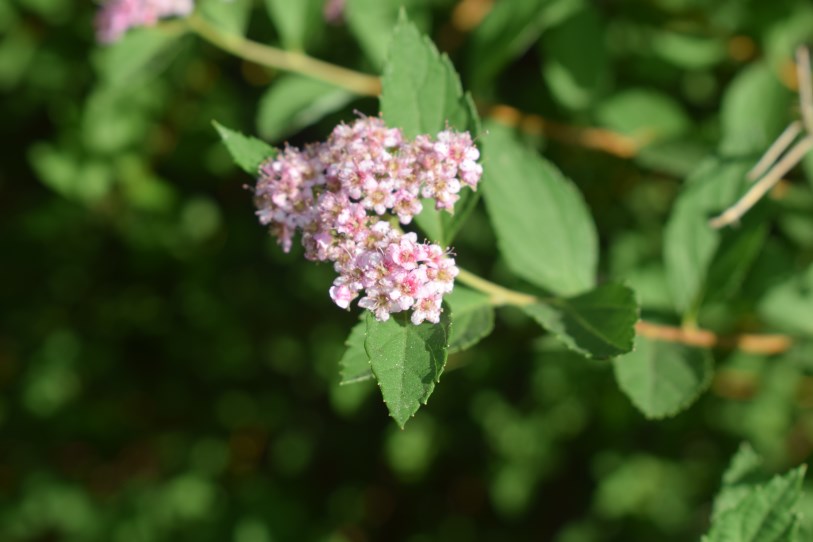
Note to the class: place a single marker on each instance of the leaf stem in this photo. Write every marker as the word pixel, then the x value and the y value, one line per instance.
pixel 765 344
pixel 272 57
pixel 498 295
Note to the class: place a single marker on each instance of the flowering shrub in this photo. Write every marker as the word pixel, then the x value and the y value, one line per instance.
pixel 666 266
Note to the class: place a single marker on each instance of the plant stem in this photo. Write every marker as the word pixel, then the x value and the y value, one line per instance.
pixel 767 344
pixel 272 57
pixel 498 295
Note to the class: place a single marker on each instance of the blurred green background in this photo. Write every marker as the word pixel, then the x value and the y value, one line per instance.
pixel 167 373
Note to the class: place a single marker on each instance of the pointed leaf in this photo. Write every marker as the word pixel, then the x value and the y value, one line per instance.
pixel 744 472
pixel 663 378
pixel 599 324
pixel 544 228
pixel 355 364
pixel 294 102
pixel 473 318
pixel 690 244
pixel 766 514
pixel 247 152
pixel 407 360
pixel 421 94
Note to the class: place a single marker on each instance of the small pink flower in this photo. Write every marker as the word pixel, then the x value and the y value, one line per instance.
pixel 117 16
pixel 334 192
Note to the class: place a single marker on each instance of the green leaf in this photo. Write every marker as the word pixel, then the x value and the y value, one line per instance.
pixel 599 324
pixel 789 304
pixel 663 378
pixel 575 59
pixel 509 29
pixel 297 22
pixel 138 56
pixel 690 244
pixel 372 22
pixel 766 514
pixel 294 102
pixel 473 318
pixel 738 249
pixel 231 16
pixel 543 226
pixel 421 94
pixel 693 52
pixel 755 108
pixel 355 364
pixel 743 474
pixel 247 152
pixel 643 113
pixel 407 360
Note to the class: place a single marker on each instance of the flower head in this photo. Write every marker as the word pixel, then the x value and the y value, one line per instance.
pixel 339 193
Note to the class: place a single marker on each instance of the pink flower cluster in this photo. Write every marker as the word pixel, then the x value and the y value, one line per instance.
pixel 117 16
pixel 339 193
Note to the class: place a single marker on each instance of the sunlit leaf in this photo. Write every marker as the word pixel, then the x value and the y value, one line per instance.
pixel 544 228
pixel 421 94
pixel 247 152
pixel 407 360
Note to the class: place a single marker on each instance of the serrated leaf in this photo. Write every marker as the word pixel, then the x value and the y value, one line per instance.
pixel 765 514
pixel 575 59
pixel 421 94
pixel 599 324
pixel 407 360
pixel 247 152
pixel 138 56
pixel 355 364
pixel 663 378
pixel 690 244
pixel 230 16
pixel 743 473
pixel 543 226
pixel 294 102
pixel 754 109
pixel 508 30
pixel 473 318
pixel 296 21
pixel 789 304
